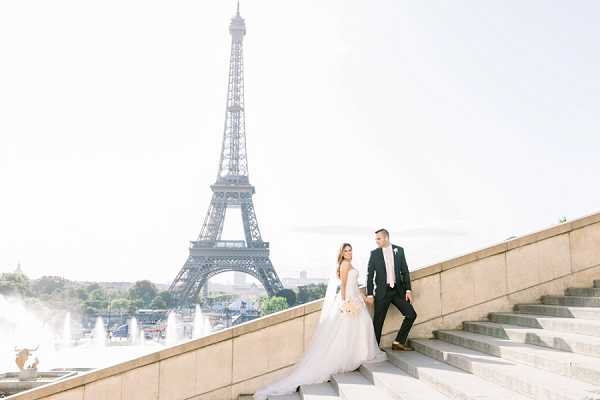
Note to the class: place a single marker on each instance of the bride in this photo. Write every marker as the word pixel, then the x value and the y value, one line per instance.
pixel 343 339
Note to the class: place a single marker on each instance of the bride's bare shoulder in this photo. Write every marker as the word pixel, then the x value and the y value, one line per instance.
pixel 345 265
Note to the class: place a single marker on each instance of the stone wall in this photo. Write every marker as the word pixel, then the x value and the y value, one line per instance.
pixel 219 366
pixel 497 277
pixel 241 359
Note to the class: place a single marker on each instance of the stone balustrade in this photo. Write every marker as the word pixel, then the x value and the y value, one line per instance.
pixel 243 358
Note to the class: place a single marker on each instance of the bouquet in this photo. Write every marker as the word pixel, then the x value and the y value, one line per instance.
pixel 350 306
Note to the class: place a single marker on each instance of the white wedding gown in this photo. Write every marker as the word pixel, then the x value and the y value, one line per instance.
pixel 341 342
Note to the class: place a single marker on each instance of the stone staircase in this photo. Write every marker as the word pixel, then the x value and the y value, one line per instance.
pixel 539 351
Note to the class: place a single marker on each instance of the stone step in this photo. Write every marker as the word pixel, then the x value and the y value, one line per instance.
pixel 448 380
pixel 570 342
pixel 576 301
pixel 354 386
pixel 597 283
pixel 397 383
pixel 319 391
pixel 568 325
pixel 559 311
pixel 291 396
pixel 528 381
pixel 575 366
pixel 583 291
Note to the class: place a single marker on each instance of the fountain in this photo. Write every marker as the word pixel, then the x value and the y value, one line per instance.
pixel 142 339
pixel 201 324
pixel 171 336
pixel 28 375
pixel 26 364
pixel 38 345
pixel 67 336
pixel 99 333
pixel 24 341
pixel 133 331
pixel 21 327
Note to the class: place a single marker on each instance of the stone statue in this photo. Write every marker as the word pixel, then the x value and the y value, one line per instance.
pixel 22 356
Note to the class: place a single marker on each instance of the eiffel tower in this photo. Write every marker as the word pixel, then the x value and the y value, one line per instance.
pixel 209 255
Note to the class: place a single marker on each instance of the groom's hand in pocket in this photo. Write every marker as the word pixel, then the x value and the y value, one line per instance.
pixel 409 297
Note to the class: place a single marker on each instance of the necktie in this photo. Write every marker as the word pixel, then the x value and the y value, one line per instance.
pixel 389 258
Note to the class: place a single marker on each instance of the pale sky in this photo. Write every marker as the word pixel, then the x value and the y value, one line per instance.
pixel 455 124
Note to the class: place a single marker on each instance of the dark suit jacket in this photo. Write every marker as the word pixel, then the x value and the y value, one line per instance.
pixel 377 270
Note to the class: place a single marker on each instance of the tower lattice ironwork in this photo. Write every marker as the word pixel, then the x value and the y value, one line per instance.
pixel 209 255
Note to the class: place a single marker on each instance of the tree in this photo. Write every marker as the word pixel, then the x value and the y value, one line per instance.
pixel 167 298
pixel 158 303
pixel 93 286
pixel 311 292
pixel 270 305
pixel 47 285
pixel 135 305
pixel 120 305
pixel 143 290
pixel 70 299
pixel 14 283
pixel 97 302
pixel 289 295
pixel 81 293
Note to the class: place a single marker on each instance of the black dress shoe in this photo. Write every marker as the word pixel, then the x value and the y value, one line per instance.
pixel 401 347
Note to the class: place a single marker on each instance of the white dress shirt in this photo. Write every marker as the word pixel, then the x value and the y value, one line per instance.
pixel 388 256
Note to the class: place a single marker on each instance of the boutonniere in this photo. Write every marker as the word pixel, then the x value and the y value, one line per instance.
pixel 395 250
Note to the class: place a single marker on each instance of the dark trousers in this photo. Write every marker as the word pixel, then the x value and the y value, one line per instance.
pixel 395 296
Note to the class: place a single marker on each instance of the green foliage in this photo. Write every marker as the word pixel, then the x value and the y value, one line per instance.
pixel 48 285
pixel 136 304
pixel 81 293
pixel 289 295
pixel 270 305
pixel 55 292
pixel 97 301
pixel 120 305
pixel 90 299
pixel 14 283
pixel 311 292
pixel 144 290
pixel 93 286
pixel 167 298
pixel 158 303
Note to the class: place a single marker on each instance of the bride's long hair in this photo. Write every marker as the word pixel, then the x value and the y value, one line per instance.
pixel 340 257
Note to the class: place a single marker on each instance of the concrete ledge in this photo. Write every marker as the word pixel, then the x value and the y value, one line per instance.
pixel 510 244
pixel 467 287
pixel 87 378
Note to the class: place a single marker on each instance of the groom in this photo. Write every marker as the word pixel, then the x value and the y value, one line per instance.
pixel 387 265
